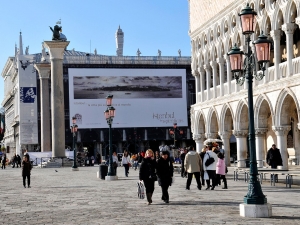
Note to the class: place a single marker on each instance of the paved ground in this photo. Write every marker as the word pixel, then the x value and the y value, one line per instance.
pixel 67 197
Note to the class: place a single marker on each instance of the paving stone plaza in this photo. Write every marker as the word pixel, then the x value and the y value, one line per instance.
pixel 66 197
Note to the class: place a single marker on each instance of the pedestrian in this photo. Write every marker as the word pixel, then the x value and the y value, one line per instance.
pixel 126 162
pixel 148 174
pixel 14 161
pixel 210 168
pixel 18 160
pixel 202 153
pixel 26 170
pixel 115 161
pixel 3 161
pixel 193 166
pixel 221 170
pixel 157 156
pixel 274 157
pixel 164 171
pixel 98 158
pixel 182 157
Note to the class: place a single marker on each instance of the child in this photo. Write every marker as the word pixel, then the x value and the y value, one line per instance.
pixel 221 170
pixel 26 168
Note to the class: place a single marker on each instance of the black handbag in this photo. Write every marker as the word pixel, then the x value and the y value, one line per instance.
pixel 209 161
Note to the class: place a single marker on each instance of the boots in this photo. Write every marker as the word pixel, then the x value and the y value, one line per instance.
pixel 225 184
pixel 149 198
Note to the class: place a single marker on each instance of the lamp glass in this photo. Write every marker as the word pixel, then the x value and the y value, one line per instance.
pixel 109 100
pixel 106 114
pixel 236 62
pixel 112 112
pixel 263 52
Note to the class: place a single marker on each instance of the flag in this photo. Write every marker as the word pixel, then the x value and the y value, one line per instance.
pixel 2 124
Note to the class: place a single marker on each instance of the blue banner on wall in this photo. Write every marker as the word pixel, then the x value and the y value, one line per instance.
pixel 27 94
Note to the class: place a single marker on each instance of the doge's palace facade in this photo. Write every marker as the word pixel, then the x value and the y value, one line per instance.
pixel 221 108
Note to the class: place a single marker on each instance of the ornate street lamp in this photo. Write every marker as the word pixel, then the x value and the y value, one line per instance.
pixel 109 114
pixel 255 195
pixel 74 128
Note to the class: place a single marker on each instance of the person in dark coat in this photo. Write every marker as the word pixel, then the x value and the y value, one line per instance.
pixel 147 174
pixel 274 157
pixel 18 161
pixel 26 169
pixel 202 153
pixel 182 157
pixel 164 171
pixel 3 161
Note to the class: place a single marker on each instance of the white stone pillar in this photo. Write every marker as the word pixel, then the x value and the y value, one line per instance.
pixel 276 34
pixel 208 81
pixel 281 133
pixel 44 74
pixel 214 65
pixel 56 50
pixel 225 136
pixel 241 146
pixel 228 74
pixel 199 139
pixel 146 135
pixel 197 84
pixel 260 145
pixel 202 80
pixel 289 29
pixel 124 135
pixel 220 61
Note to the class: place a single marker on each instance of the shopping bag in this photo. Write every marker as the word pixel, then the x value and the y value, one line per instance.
pixel 206 177
pixel 141 190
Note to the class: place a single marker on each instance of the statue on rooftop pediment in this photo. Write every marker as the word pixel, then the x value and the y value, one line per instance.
pixel 57 34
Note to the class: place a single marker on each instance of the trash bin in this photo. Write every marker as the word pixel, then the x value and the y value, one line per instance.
pixel 103 169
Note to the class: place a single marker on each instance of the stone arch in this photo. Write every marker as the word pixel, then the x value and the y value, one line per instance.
pixel 290 12
pixel 213 121
pixel 260 108
pixel 277 19
pixel 241 117
pixel 283 107
pixel 224 122
pixel 200 123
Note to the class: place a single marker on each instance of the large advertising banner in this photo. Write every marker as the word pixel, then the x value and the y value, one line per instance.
pixel 141 97
pixel 28 101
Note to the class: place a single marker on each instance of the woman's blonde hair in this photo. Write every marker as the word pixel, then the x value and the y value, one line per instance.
pixel 214 149
pixel 149 151
pixel 203 150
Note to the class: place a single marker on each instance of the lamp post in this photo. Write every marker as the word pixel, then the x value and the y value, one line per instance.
pixel 255 195
pixel 109 114
pixel 74 128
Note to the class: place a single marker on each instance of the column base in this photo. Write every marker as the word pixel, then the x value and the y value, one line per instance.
pixel 75 169
pixel 110 178
pixel 256 211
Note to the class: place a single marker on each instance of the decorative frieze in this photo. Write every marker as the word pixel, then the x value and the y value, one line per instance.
pixel 225 134
pixel 282 130
pixel 240 133
pixel 260 131
pixel 288 28
pixel 198 137
pixel 210 135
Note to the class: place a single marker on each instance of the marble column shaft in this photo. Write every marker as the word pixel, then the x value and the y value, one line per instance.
pixel 214 65
pixel 225 136
pixel 199 139
pixel 220 61
pixel 289 29
pixel 208 80
pixel 56 50
pixel 241 146
pixel 276 34
pixel 260 146
pixel 197 84
pixel 202 80
pixel 228 75
pixel 44 74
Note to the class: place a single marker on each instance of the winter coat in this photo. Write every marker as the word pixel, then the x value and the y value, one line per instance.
pixel 192 162
pixel 211 155
pixel 274 157
pixel 221 167
pixel 164 170
pixel 26 168
pixel 147 169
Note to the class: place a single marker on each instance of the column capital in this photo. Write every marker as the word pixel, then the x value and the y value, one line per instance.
pixel 288 28
pixel 210 135
pixel 195 73
pixel 282 130
pixel 225 134
pixel 56 48
pixel 260 131
pixel 206 67
pixel 297 20
pixel 226 57
pixel 275 34
pixel 200 69
pixel 43 70
pixel 198 137
pixel 213 64
pixel 240 133
pixel 220 60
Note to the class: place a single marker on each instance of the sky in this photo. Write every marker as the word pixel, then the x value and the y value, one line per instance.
pixel 147 24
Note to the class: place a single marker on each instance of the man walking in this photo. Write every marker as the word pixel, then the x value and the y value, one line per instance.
pixel 274 157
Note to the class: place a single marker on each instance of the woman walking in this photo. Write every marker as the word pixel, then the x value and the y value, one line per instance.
pixel 164 174
pixel 209 166
pixel 126 162
pixel 221 170
pixel 148 174
pixel 26 168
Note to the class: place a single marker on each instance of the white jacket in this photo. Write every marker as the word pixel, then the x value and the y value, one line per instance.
pixel 125 160
pixel 211 155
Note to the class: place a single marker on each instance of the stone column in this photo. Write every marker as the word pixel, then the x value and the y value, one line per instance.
pixel 56 50
pixel 228 74
pixel 260 134
pixel 241 146
pixel 220 61
pixel 281 133
pixel 289 29
pixel 44 74
pixel 225 136
pixel 214 65
pixel 197 84
pixel 199 139
pixel 276 34
pixel 202 80
pixel 208 81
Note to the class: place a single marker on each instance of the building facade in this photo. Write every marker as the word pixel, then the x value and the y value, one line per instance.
pixel 23 117
pixel 221 109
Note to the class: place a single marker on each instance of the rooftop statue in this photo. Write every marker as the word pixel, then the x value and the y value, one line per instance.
pixel 138 52
pixel 57 35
